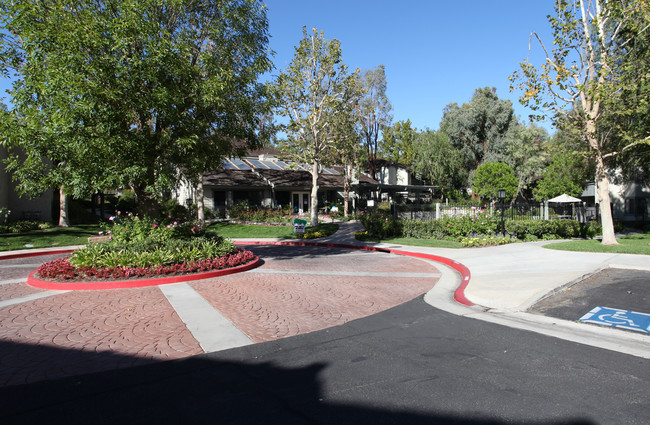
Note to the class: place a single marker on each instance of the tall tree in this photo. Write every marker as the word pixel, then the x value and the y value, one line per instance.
pixel 347 152
pixel 523 149
pixel 374 113
pixel 437 161
pixel 476 126
pixel 493 176
pixel 580 82
pixel 132 92
pixel 315 93
pixel 397 143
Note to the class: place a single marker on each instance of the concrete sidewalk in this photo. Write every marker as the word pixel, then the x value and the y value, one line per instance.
pixel 507 280
pixel 512 277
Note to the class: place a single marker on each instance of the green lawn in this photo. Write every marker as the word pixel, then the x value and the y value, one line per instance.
pixel 57 236
pixel 236 231
pixel 431 243
pixel 632 244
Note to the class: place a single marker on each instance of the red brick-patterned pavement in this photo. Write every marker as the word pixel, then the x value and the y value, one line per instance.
pixel 296 290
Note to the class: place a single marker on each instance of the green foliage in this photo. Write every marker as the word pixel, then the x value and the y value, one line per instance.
pixel 373 113
pixel 593 82
pixel 475 127
pixel 127 93
pixel 451 227
pixel 438 162
pixel 4 215
pixel 380 223
pixel 126 203
pixel 490 177
pixel 567 173
pixel 173 210
pixel 551 229
pixel 317 96
pixel 141 242
pixel 485 240
pixel 244 212
pixel 20 226
pixel 523 148
pixel 398 143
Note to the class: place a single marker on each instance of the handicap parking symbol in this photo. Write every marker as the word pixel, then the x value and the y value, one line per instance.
pixel 617 318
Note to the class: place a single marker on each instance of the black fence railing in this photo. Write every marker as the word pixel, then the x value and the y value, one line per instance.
pixel 519 211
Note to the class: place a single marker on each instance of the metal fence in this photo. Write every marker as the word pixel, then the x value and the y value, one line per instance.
pixel 437 211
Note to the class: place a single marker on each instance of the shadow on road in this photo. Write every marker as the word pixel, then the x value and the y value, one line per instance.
pixel 198 390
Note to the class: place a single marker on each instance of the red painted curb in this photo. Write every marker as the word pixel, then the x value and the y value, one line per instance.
pixel 137 283
pixel 459 294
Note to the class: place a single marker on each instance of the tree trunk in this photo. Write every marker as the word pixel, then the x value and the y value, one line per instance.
pixel 313 208
pixel 145 204
pixel 200 214
pixel 606 219
pixel 64 220
pixel 346 197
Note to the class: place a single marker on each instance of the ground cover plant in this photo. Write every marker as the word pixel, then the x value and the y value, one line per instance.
pixel 132 246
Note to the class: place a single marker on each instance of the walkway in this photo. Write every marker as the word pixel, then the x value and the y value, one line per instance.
pixel 52 334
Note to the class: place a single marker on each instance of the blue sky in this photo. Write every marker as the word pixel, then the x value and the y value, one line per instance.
pixel 435 52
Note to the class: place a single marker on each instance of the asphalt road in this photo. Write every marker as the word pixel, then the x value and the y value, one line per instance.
pixel 412 364
pixel 615 288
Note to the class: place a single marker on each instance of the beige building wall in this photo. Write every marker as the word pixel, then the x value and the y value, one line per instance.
pixel 22 207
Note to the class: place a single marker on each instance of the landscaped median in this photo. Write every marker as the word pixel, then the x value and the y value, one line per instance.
pixel 138 251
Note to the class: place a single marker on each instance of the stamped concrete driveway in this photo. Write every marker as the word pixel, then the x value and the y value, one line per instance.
pixel 51 334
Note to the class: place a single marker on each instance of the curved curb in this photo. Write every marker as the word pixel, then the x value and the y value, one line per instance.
pixel 137 283
pixel 459 294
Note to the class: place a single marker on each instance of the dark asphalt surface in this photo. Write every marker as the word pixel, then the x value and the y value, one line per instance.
pixel 412 364
pixel 615 288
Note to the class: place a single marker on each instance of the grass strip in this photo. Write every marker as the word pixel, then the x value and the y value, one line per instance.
pixel 47 238
pixel 631 244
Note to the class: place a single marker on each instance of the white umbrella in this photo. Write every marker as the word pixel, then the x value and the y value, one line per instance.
pixel 564 199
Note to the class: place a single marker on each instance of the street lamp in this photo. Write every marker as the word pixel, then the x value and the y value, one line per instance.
pixel 502 198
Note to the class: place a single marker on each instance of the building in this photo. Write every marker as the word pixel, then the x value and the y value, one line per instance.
pixel 21 207
pixel 263 179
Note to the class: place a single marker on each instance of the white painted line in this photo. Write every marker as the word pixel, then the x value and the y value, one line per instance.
pixel 10 281
pixel 335 273
pixel 14 301
pixel 18 266
pixel 212 331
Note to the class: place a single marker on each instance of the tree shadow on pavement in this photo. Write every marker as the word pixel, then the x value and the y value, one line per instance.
pixel 200 390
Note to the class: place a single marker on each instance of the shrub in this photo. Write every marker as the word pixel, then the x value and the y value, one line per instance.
pixel 313 235
pixel 380 223
pixel 485 240
pixel 141 242
pixel 361 236
pixel 551 229
pixel 4 215
pixel 451 227
pixel 244 212
pixel 140 247
pixel 126 202
pixel 173 210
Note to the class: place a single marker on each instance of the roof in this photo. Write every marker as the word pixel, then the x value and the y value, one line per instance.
pixel 233 178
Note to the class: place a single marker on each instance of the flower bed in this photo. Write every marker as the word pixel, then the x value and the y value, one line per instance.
pixel 61 269
pixel 141 248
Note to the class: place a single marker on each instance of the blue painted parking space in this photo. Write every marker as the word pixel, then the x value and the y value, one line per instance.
pixel 617 318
